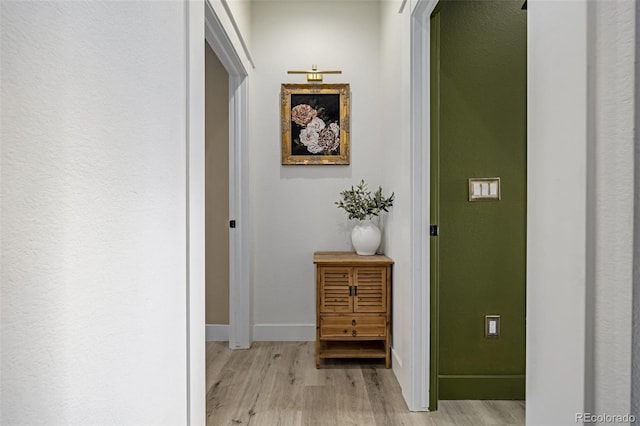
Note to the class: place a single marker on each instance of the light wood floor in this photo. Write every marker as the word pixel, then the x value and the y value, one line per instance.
pixel 277 384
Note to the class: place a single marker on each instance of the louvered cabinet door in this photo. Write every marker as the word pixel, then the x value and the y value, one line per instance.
pixel 335 283
pixel 371 293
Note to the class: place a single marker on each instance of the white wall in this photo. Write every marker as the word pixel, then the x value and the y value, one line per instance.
pixel 556 235
pixel 395 90
pixel 292 210
pixel 241 13
pixel 236 21
pixel 611 203
pixel 580 209
pixel 93 213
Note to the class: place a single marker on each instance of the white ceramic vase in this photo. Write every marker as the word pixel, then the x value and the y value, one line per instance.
pixel 365 237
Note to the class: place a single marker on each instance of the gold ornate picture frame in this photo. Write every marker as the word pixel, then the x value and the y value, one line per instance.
pixel 315 124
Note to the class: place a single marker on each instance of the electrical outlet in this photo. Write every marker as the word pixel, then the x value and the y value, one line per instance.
pixel 491 326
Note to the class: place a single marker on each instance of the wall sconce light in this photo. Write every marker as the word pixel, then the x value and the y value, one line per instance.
pixel 314 75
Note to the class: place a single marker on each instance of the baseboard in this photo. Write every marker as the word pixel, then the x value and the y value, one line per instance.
pixel 284 332
pixel 217 333
pixel 481 387
pixel 402 375
pixel 396 359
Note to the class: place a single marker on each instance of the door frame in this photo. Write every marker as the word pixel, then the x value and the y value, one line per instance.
pixel 195 279
pixel 239 286
pixel 420 218
pixel 203 23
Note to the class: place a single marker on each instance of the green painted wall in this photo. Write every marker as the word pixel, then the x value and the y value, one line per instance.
pixel 478 261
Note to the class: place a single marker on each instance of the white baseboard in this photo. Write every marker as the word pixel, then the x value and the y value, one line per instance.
pixel 217 333
pixel 402 374
pixel 284 332
pixel 396 359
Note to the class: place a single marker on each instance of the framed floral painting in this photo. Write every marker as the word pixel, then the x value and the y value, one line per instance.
pixel 315 124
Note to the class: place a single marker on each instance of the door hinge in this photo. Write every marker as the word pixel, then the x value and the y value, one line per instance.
pixel 434 230
pixel 232 224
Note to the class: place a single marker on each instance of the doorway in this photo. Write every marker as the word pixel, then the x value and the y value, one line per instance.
pixel 216 197
pixel 236 65
pixel 478 200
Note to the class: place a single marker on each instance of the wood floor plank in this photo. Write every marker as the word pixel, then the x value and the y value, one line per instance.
pixel 277 384
pixel 280 402
pixel 226 388
pixel 319 407
pixel 456 412
pixel 217 356
pixel 252 388
pixel 313 376
pixel 508 412
pixel 353 405
pixel 384 399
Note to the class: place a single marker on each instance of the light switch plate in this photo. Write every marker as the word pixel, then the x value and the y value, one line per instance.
pixel 484 189
pixel 491 326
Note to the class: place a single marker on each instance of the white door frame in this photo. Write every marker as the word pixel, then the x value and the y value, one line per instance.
pixel 203 22
pixel 195 278
pixel 420 181
pixel 239 287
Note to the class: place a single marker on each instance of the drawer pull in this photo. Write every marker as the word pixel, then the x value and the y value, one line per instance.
pixel 353 322
pixel 353 333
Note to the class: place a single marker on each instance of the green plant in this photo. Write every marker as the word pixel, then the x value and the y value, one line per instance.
pixel 360 204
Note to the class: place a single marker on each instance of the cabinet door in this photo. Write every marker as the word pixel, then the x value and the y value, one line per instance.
pixel 334 289
pixel 371 295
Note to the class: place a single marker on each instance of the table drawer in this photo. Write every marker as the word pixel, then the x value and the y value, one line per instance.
pixel 353 326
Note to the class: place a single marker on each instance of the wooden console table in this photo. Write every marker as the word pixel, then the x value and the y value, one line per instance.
pixel 353 306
